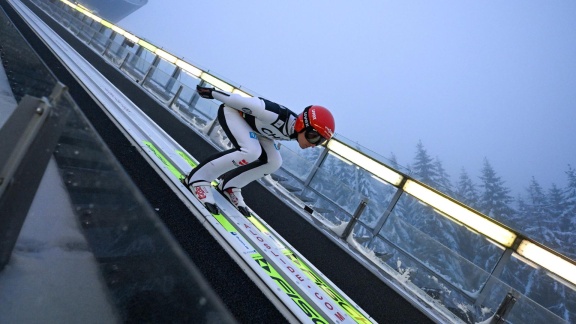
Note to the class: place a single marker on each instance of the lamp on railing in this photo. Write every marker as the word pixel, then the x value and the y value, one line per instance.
pixel 547 259
pixel 461 214
pixel 369 164
pixel 216 82
pixel 166 56
pixel 189 68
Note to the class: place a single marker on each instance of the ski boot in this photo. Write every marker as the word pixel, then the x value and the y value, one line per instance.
pixel 202 192
pixel 234 195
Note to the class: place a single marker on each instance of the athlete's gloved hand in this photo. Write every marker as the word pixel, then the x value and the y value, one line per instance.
pixel 204 92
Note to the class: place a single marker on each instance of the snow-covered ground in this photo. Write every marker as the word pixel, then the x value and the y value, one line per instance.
pixel 51 277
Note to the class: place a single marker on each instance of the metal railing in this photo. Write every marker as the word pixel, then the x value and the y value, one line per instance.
pixel 439 249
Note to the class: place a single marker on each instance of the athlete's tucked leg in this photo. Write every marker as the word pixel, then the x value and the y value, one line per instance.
pixel 246 149
pixel 233 181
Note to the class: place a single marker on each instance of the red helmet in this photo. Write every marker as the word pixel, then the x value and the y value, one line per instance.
pixel 317 118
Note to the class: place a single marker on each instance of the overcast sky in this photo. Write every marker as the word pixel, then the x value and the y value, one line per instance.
pixel 470 79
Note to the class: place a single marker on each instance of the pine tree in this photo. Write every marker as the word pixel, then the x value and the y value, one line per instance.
pixel 495 198
pixel 466 190
pixel 537 202
pixel 405 206
pixel 423 165
pixel 569 213
pixel 570 198
pixel 537 222
pixel 522 209
pixel 556 208
pixel 394 161
pixel 562 228
pixel 442 179
pixel 338 182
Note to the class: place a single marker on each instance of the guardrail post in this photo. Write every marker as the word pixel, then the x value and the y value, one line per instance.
pixel 505 308
pixel 390 208
pixel 150 70
pixel 124 61
pixel 316 166
pixel 29 138
pixel 354 218
pixel 195 96
pixel 176 96
pixel 170 83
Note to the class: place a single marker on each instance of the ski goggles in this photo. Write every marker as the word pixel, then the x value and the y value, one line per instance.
pixel 313 137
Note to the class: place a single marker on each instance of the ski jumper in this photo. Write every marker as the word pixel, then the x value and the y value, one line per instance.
pixel 252 125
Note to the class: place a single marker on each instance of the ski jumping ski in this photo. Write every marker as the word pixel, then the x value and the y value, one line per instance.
pixel 294 281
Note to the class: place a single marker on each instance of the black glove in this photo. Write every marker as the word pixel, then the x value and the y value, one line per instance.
pixel 204 92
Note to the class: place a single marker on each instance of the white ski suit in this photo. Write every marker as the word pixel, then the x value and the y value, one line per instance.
pixel 253 125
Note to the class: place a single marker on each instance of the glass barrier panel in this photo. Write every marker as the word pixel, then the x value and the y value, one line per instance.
pixel 413 274
pixel 377 192
pixel 137 64
pixel 127 44
pixel 329 191
pixel 65 17
pixel 86 33
pixel 186 106
pixel 219 137
pixel 99 41
pixel 87 21
pixel 445 262
pixel 189 80
pixel 524 309
pixel 297 167
pixel 471 245
pixel 329 211
pixel 66 9
pixel 72 23
pixel 206 108
pixel 540 286
pixel 220 77
pixel 288 180
pixel 145 58
pixel 104 30
pixel 136 67
pixel 439 181
pixel 116 54
pixel 527 311
pixel 379 199
pixel 298 162
pixel 173 87
pixel 337 180
pixel 46 7
pixel 166 68
pixel 162 83
pixel 156 84
pixel 442 290
pixel 189 95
